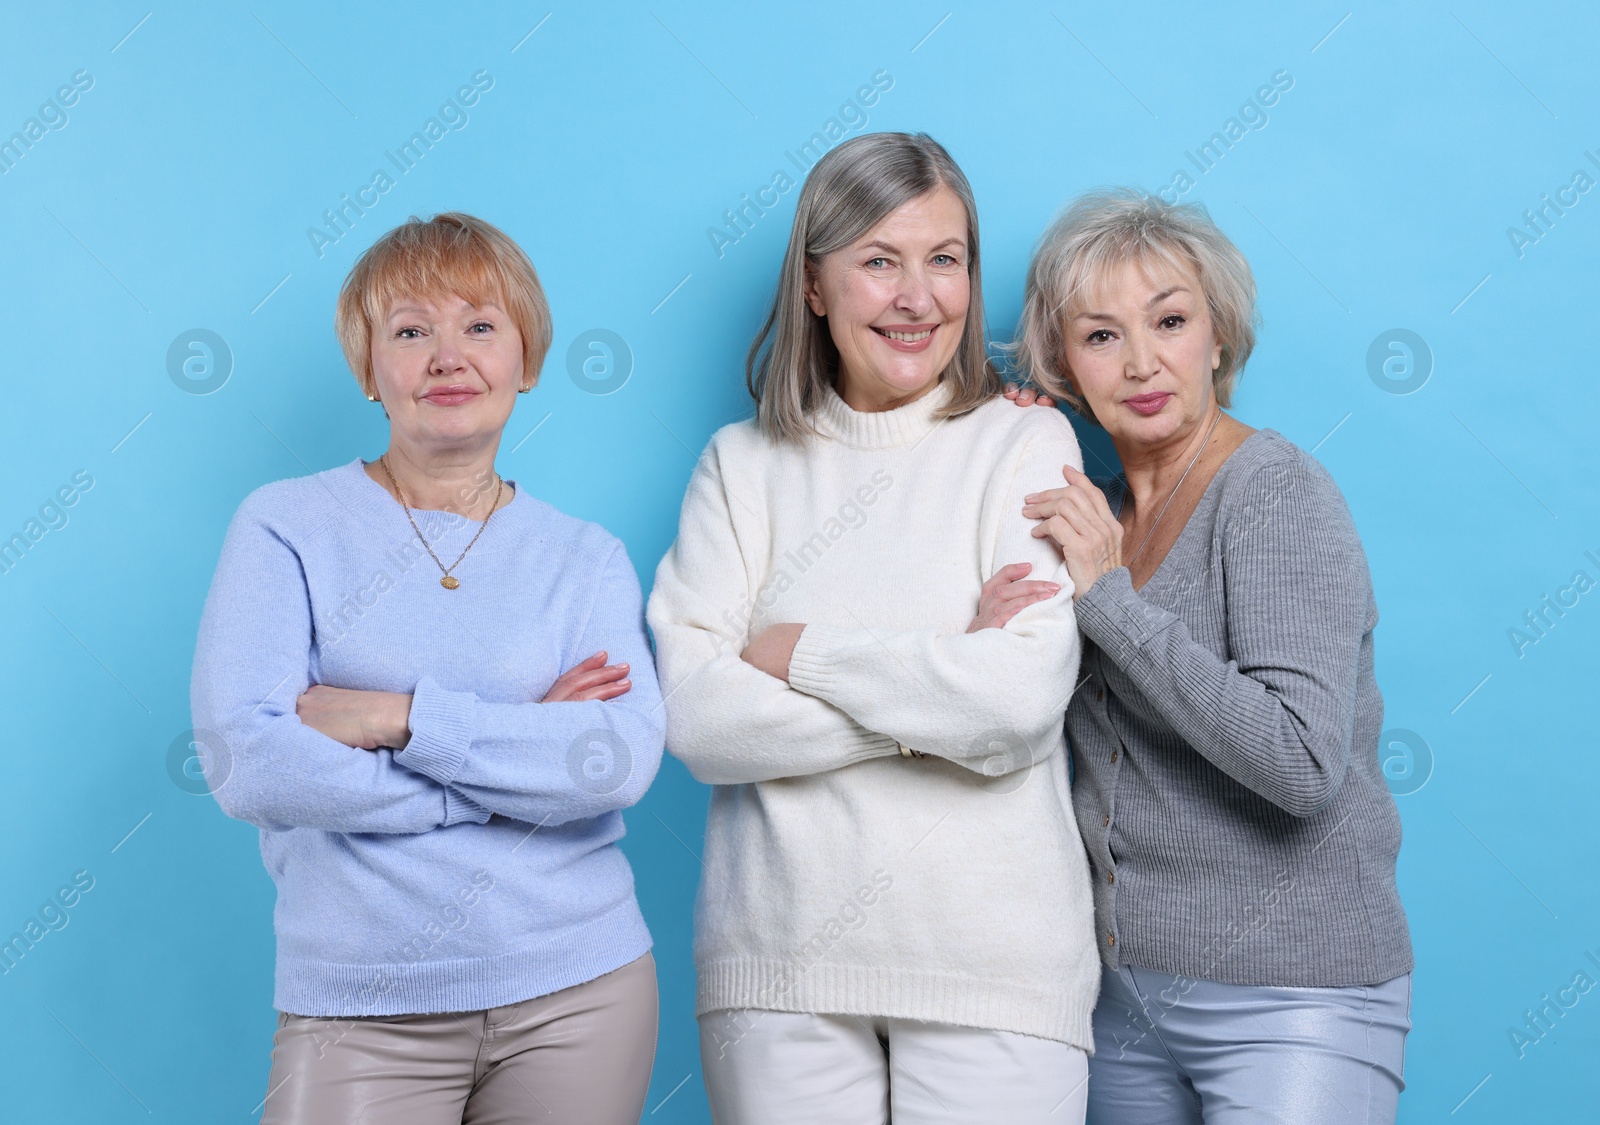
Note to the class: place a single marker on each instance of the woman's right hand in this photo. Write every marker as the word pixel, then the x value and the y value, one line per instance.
pixel 1006 594
pixel 1027 396
pixel 592 679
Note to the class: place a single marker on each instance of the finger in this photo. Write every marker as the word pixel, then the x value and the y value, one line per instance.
pixel 607 691
pixel 1077 478
pixel 999 618
pixel 1103 506
pixel 1046 496
pixel 1010 391
pixel 1006 574
pixel 586 665
pixel 1026 396
pixel 597 676
pixel 1032 591
pixel 1043 509
pixel 1083 520
pixel 1062 532
pixel 1057 500
pixel 1045 400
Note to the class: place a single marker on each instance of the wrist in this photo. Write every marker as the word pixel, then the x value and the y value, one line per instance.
pixel 793 639
pixel 397 720
pixel 1079 589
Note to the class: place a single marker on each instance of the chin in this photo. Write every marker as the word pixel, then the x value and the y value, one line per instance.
pixel 910 382
pixel 1157 427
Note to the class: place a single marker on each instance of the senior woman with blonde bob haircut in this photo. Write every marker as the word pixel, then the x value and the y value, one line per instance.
pixel 894 915
pixel 401 672
pixel 1256 958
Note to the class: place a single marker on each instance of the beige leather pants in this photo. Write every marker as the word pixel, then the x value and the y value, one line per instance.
pixel 583 1054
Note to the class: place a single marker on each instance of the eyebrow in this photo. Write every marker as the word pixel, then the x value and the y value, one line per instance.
pixel 895 249
pixel 1152 303
pixel 412 310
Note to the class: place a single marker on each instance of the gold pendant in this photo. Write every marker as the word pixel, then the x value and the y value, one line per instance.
pixel 449 583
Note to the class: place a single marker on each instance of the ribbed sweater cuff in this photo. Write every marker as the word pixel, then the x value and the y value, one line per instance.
pixel 441 730
pixel 459 808
pixel 1113 615
pixel 812 666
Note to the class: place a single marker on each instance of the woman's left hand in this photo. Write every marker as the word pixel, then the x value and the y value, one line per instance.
pixel 365 720
pixel 771 649
pixel 1080 522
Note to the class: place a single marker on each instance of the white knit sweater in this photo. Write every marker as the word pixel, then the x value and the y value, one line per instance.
pixel 840 875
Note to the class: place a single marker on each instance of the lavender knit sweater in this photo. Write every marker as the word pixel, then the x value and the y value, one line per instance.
pixel 476 866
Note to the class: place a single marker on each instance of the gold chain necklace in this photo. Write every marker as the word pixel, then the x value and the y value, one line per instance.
pixel 449 582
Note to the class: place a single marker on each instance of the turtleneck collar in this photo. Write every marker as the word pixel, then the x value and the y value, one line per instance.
pixel 879 429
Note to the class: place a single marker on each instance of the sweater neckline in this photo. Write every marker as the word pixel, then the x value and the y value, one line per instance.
pixel 879 429
pixel 1230 463
pixel 369 496
pixel 1208 500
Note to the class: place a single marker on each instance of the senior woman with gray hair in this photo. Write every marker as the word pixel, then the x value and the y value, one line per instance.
pixel 1257 963
pixel 894 917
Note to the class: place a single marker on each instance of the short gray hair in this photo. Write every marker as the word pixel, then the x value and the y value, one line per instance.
pixel 852 189
pixel 1098 232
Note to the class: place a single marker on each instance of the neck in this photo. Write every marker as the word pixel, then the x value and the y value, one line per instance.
pixel 455 480
pixel 872 399
pixel 1153 471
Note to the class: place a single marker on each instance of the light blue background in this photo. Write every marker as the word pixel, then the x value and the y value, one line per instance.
pixel 179 194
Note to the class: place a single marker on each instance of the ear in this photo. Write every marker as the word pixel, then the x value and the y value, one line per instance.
pixel 1216 357
pixel 813 295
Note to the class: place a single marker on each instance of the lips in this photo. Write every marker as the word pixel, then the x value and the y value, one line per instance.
pixel 1149 403
pixel 450 396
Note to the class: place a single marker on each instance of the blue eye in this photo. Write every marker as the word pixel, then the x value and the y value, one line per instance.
pixel 402 333
pixel 483 324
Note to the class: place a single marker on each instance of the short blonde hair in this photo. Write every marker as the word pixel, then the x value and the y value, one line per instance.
pixel 1100 231
pixel 451 253
pixel 852 189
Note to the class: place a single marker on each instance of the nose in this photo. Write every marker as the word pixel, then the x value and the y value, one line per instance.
pixel 914 296
pixel 447 358
pixel 1142 359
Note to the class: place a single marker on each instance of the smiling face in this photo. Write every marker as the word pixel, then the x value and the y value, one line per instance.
pixel 447 371
pixel 896 301
pixel 1140 351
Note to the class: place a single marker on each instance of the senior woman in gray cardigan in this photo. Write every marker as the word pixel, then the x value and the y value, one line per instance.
pixel 1256 959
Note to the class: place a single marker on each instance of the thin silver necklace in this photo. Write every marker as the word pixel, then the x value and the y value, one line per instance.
pixel 1143 543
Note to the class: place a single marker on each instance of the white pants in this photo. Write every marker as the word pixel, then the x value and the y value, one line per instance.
pixel 778 1068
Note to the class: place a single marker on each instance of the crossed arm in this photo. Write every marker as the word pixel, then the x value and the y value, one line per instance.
pixel 802 698
pixel 295 754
